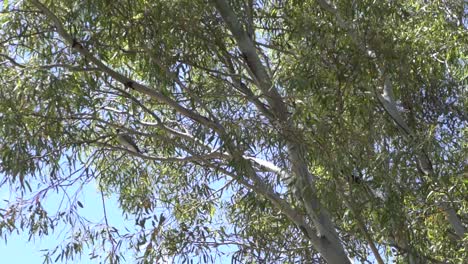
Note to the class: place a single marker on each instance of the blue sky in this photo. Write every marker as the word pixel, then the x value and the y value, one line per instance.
pixel 19 250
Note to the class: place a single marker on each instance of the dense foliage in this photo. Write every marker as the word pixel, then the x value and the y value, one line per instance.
pixel 277 131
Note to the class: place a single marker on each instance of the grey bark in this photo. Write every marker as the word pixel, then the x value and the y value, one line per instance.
pixel 325 239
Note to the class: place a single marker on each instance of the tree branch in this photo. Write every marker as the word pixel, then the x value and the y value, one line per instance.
pixel 389 104
pixel 327 241
pixel 249 52
pixel 75 44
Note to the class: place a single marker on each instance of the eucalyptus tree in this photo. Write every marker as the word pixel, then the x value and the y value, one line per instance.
pixel 285 131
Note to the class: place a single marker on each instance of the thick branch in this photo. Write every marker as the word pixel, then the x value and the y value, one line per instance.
pixel 389 104
pixel 262 188
pixel 327 243
pixel 453 219
pixel 249 52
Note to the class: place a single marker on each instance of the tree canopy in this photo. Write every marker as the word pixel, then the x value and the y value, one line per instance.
pixel 286 131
